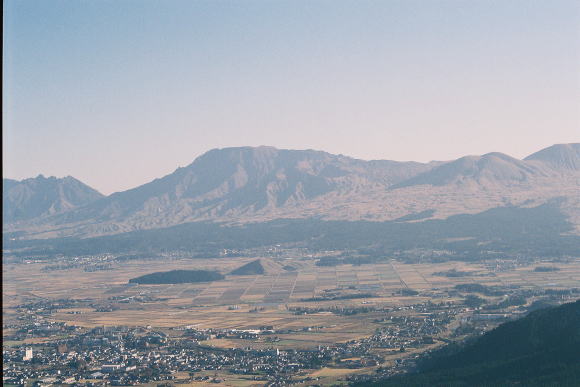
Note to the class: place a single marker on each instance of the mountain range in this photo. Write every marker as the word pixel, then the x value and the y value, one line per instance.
pixel 257 184
pixel 41 197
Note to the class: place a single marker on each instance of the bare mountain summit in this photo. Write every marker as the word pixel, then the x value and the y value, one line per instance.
pixel 41 197
pixel 235 183
pixel 491 168
pixel 560 156
pixel 246 184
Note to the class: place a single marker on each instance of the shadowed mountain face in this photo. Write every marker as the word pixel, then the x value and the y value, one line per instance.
pixel 250 184
pixel 560 156
pixel 40 197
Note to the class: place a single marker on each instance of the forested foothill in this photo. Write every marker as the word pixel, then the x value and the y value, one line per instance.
pixel 541 349
pixel 178 277
pixel 507 232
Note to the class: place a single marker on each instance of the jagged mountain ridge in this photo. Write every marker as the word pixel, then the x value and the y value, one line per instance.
pixel 224 182
pixel 248 184
pixel 42 197
pixel 258 177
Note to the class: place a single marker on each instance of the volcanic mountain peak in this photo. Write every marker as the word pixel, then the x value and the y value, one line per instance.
pixel 247 184
pixel 42 196
pixel 559 156
pixel 491 168
pixel 240 180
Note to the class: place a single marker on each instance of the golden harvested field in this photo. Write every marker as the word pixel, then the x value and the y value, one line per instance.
pixel 232 302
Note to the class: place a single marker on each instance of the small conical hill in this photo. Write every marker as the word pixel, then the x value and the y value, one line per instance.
pixel 257 267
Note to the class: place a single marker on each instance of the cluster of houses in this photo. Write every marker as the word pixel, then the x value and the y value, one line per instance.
pixel 126 356
pixel 73 355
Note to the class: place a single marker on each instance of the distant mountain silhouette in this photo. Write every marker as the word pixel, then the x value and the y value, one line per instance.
pixel 250 179
pixel 491 168
pixel 238 182
pixel 41 196
pixel 256 184
pixel 560 156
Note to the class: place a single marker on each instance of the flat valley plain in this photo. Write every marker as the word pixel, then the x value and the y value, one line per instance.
pixel 226 304
pixel 255 301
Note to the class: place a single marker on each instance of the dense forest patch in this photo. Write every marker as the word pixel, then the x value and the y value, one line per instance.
pixel 178 277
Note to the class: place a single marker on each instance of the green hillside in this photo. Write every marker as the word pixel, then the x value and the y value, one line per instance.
pixel 541 349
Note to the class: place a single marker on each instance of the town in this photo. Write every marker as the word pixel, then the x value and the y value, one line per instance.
pixel 60 353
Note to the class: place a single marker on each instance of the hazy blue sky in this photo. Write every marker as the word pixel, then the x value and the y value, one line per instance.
pixel 117 93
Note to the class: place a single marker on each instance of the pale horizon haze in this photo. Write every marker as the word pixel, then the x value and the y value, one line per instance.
pixel 117 93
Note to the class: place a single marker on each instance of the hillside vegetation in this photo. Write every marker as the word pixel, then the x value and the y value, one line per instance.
pixel 541 349
pixel 509 231
pixel 178 277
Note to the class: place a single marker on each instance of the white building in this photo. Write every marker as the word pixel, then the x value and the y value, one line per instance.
pixel 27 355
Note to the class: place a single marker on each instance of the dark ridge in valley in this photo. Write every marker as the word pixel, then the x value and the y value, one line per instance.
pixel 177 277
pixel 252 268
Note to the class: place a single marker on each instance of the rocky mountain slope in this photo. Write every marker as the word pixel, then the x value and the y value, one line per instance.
pixel 41 197
pixel 246 184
